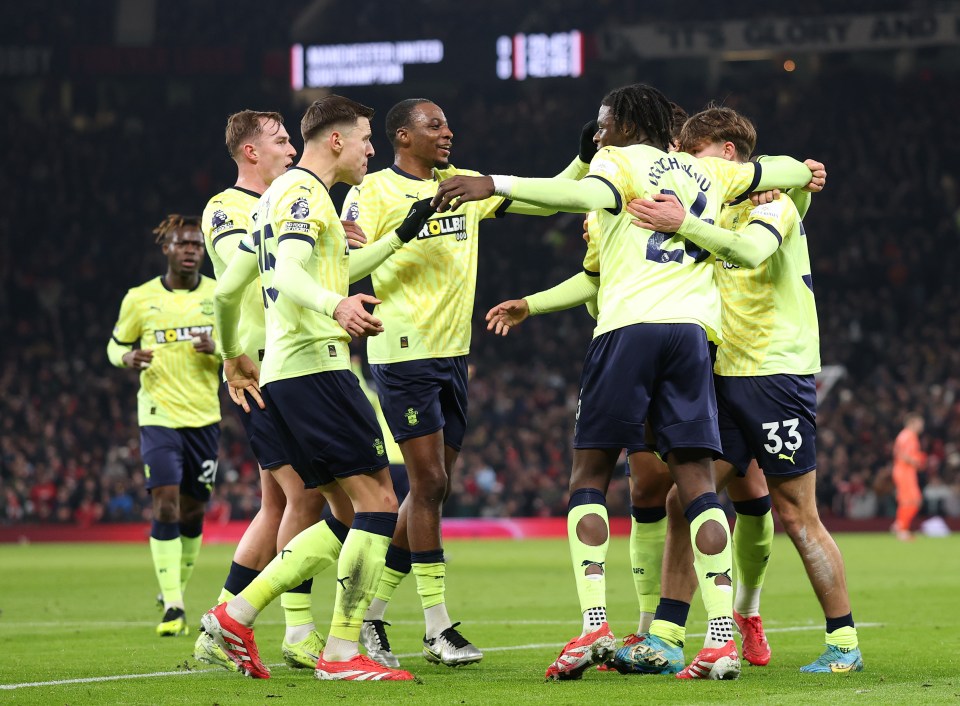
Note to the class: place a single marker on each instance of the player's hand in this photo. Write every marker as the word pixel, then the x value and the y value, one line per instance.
pixel 419 213
pixel 355 236
pixel 664 213
pixel 819 179
pixel 356 320
pixel 139 358
pixel 463 189
pixel 588 147
pixel 243 378
pixel 204 343
pixel 586 232
pixel 507 315
pixel 761 198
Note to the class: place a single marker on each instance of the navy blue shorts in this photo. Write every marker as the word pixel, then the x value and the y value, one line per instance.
pixel 264 438
pixel 186 457
pixel 420 397
pixel 655 372
pixel 327 425
pixel 772 418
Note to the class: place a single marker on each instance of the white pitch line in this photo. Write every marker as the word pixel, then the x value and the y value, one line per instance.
pixel 146 623
pixel 506 648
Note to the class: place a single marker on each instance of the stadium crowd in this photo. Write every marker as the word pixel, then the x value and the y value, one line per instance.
pixel 91 184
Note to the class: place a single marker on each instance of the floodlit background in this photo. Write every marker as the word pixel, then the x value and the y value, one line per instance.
pixel 114 115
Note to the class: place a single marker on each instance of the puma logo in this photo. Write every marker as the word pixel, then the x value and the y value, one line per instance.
pixel 713 575
pixel 284 552
pixel 784 457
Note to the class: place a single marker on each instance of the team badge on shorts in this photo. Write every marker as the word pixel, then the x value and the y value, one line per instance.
pixel 378 447
pixel 412 416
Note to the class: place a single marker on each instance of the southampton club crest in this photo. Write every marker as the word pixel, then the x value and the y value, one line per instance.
pixel 300 208
pixel 206 307
pixel 378 447
pixel 412 416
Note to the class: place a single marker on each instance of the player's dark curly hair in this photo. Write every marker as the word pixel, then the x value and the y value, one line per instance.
pixel 399 116
pixel 172 223
pixel 639 108
pixel 680 118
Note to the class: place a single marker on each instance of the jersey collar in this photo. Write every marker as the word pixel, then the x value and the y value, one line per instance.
pixel 408 175
pixel 303 169
pixel 163 281
pixel 248 192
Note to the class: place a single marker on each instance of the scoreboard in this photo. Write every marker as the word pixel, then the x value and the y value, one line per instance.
pixel 517 57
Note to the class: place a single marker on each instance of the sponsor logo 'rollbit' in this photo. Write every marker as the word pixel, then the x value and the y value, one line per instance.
pixel 181 333
pixel 447 225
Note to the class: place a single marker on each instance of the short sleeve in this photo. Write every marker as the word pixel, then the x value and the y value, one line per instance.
pixel 735 180
pixel 362 205
pixel 778 217
pixel 608 167
pixel 297 218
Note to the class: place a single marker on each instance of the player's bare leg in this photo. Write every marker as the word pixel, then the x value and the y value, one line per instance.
pixel 429 464
pixel 796 503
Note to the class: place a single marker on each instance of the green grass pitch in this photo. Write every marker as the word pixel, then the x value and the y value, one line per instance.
pixel 77 628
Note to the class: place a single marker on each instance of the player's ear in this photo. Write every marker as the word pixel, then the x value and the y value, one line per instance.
pixel 403 137
pixel 335 141
pixel 250 152
pixel 729 150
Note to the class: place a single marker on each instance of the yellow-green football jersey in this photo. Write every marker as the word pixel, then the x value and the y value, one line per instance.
pixel 229 218
pixel 651 277
pixel 301 341
pixel 180 388
pixel 428 286
pixel 769 314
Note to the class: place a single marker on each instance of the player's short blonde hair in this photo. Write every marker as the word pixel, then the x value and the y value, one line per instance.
pixel 719 124
pixel 247 125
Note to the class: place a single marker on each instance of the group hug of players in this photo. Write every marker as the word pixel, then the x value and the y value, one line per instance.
pixel 701 367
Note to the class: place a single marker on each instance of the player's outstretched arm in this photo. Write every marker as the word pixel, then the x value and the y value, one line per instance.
pixel 560 194
pixel 243 378
pixel 365 260
pixel 746 248
pixel 579 289
pixel 228 296
pixel 786 173
pixel 507 315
